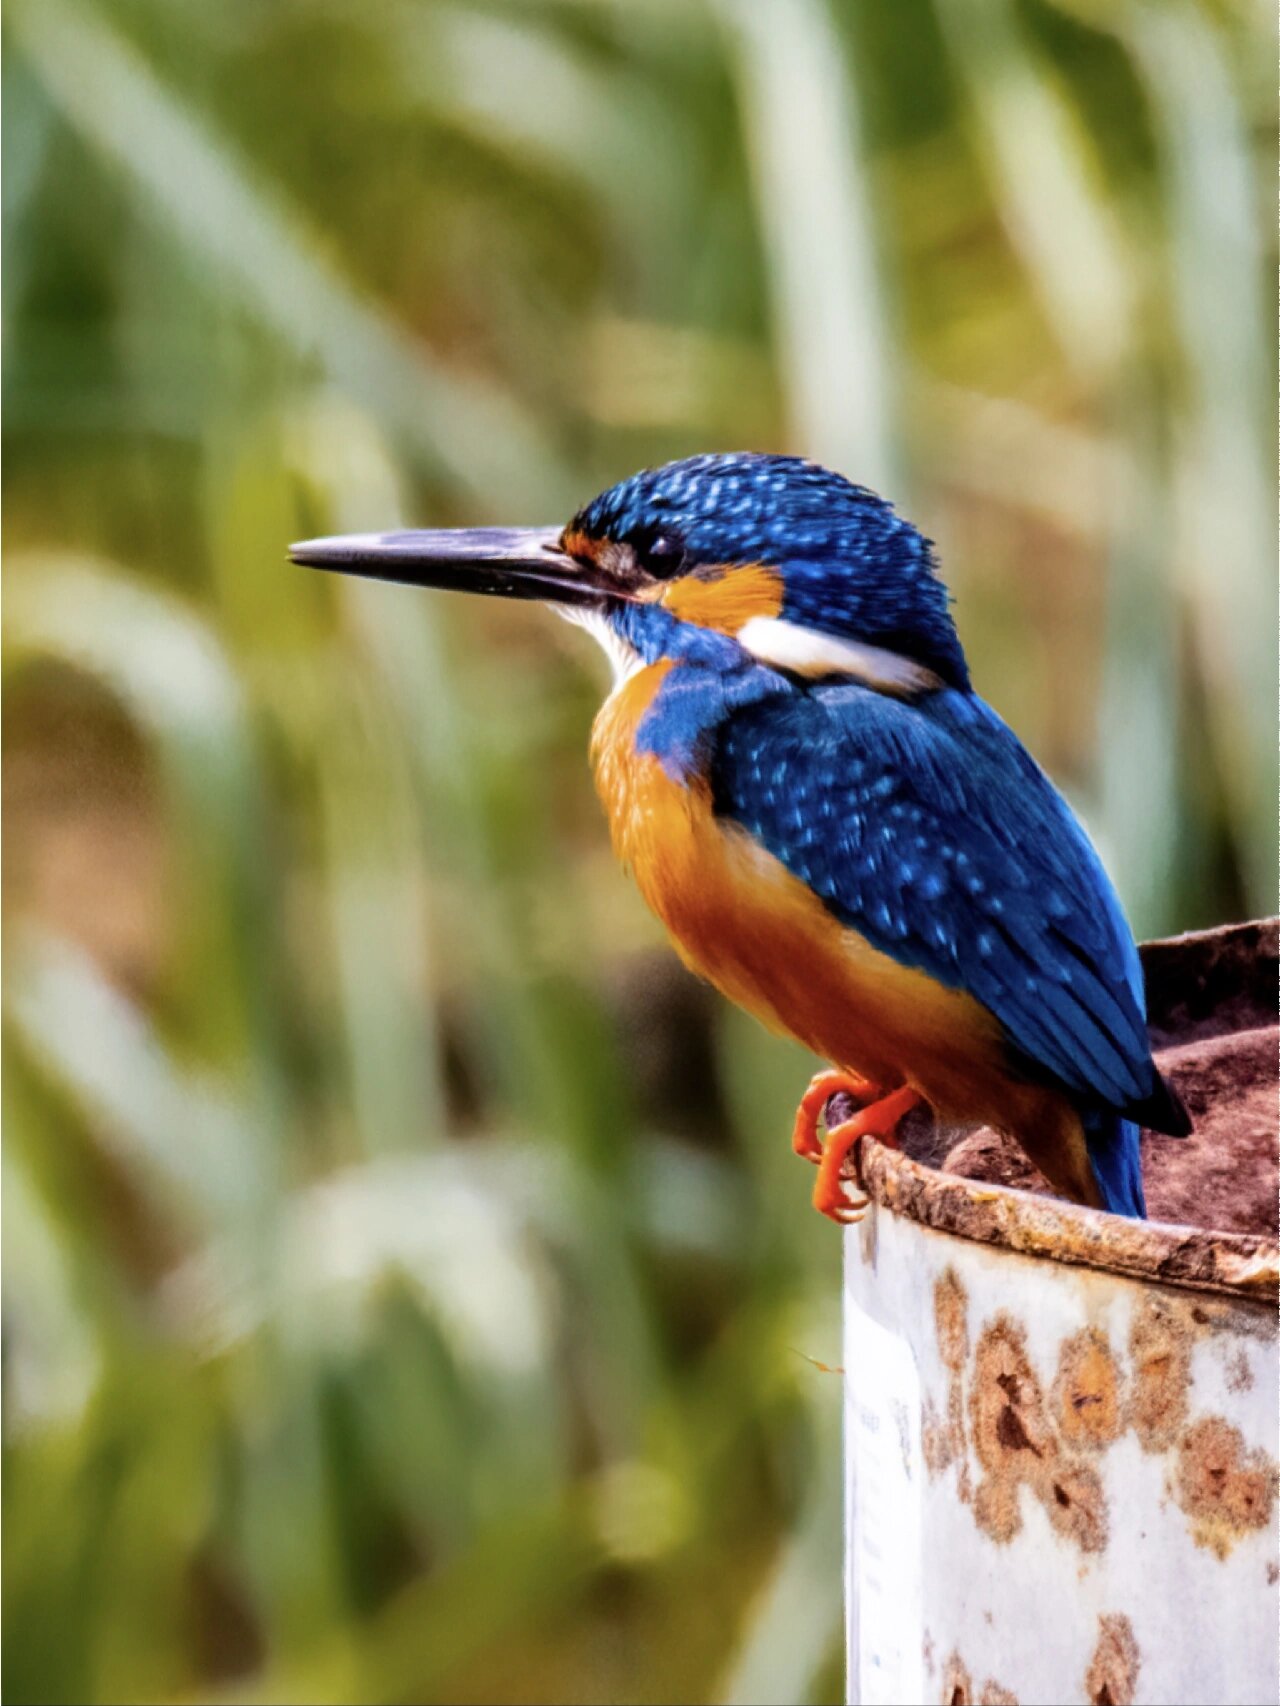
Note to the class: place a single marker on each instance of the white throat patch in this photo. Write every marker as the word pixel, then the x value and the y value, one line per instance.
pixel 624 659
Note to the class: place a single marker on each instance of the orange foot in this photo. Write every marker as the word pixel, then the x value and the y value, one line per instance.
pixel 878 1119
pixel 822 1087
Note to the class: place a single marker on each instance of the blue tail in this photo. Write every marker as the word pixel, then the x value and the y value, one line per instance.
pixel 1116 1157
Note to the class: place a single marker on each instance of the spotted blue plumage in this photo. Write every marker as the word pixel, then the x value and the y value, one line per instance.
pixel 931 831
pixel 922 824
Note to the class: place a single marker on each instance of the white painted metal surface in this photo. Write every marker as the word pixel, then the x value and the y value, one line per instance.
pixel 1062 1480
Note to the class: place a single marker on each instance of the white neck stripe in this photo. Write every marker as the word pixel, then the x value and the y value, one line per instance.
pixel 811 653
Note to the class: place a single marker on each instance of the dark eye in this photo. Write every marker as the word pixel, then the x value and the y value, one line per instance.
pixel 664 553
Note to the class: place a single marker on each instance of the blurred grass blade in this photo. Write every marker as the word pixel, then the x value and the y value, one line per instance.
pixel 796 1626
pixel 28 129
pixel 274 262
pixel 145 646
pixel 1047 189
pixel 1224 493
pixel 345 733
pixel 177 1134
pixel 974 439
pixel 453 1225
pixel 518 87
pixel 800 112
pixel 171 675
pixel 1136 770
pixel 52 1362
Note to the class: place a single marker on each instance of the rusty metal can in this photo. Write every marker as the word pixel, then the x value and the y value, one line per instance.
pixel 1061 1433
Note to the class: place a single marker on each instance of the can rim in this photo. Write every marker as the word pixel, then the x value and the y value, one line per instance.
pixel 1241 1264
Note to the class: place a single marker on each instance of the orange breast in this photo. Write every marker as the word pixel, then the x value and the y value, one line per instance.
pixel 741 920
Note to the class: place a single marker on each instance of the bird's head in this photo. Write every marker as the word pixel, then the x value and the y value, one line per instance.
pixel 717 557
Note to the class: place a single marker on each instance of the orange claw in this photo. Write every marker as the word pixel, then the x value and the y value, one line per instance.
pixel 822 1087
pixel 878 1119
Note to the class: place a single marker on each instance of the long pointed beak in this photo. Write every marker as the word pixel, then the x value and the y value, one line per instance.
pixel 504 562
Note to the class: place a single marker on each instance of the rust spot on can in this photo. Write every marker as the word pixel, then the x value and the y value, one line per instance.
pixel 957 1689
pixel 1238 1374
pixel 943 1435
pixel 938 1442
pixel 993 1695
pixel 1160 1347
pixel 1077 1506
pixel 1086 1393
pixel 1112 1676
pixel 951 1316
pixel 1016 1445
pixel 1223 1487
pixel 1006 1408
pixel 995 1507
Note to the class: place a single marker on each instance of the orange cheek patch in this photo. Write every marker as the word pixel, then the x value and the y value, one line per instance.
pixel 726 601
pixel 579 544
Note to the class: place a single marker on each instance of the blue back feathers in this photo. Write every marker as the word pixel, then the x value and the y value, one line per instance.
pixel 932 832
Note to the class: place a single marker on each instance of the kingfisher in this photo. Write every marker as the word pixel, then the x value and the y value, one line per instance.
pixel 835 829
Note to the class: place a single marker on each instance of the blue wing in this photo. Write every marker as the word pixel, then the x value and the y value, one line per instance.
pixel 929 829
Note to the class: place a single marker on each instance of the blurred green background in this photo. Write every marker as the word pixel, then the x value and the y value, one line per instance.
pixel 409 1293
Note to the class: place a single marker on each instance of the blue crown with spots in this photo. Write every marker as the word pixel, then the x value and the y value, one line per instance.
pixel 850 564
